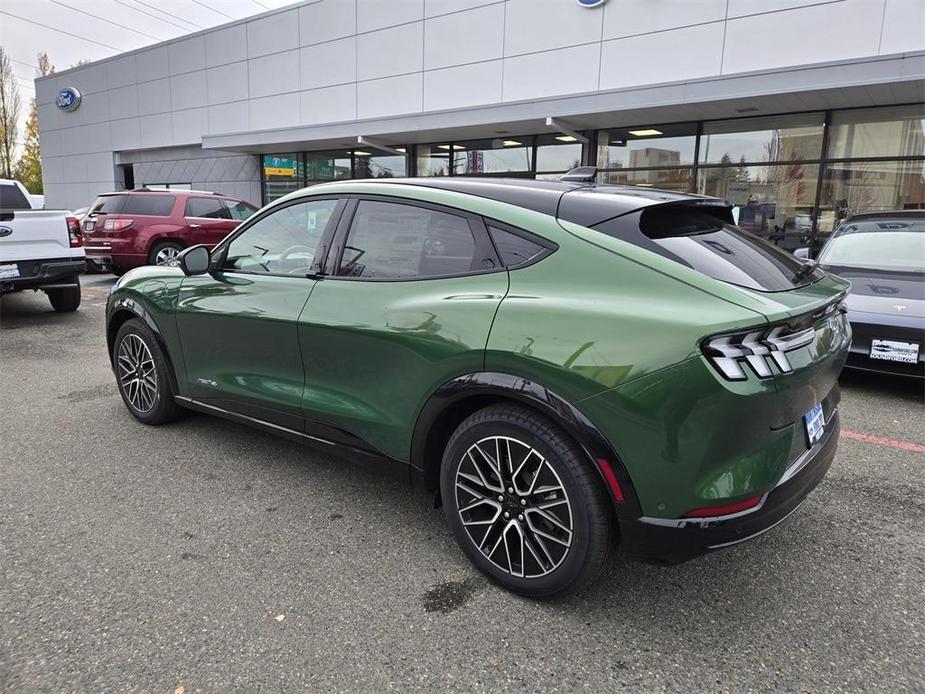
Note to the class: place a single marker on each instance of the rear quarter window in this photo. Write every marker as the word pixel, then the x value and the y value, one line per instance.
pixel 155 205
pixel 514 250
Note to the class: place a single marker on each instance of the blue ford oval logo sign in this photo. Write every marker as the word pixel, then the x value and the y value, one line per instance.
pixel 591 3
pixel 68 99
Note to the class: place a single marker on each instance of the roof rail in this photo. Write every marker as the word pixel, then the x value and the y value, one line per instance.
pixel 581 174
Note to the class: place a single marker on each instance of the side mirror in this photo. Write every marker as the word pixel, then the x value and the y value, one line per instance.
pixel 801 253
pixel 194 260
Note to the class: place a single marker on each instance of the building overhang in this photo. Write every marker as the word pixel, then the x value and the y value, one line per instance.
pixel 879 81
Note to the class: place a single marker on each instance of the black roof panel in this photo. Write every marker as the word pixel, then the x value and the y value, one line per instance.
pixel 581 203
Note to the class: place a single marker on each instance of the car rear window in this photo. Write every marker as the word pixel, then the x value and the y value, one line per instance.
pixel 107 204
pixel 704 240
pixel 12 198
pixel 157 205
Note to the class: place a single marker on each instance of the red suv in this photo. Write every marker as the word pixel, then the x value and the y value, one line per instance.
pixel 150 227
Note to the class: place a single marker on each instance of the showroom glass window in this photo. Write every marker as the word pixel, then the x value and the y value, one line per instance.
pixel 434 160
pixel 501 155
pixel 762 140
pixel 769 168
pixel 649 156
pixel 398 241
pixel 890 144
pixel 327 166
pixel 369 164
pixel 556 154
pixel 282 174
pixel 283 242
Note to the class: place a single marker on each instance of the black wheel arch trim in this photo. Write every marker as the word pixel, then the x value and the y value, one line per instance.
pixel 138 310
pixel 519 389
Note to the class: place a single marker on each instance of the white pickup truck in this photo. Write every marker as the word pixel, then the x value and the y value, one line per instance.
pixel 39 249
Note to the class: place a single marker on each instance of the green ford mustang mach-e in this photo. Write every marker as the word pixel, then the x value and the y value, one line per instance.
pixel 567 366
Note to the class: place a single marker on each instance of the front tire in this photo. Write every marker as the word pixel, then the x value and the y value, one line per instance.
pixel 524 503
pixel 142 374
pixel 64 299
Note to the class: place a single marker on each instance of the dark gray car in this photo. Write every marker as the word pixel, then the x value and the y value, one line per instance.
pixel 883 255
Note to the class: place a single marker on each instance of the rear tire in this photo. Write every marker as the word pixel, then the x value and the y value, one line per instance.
pixel 164 252
pixel 142 375
pixel 64 299
pixel 510 470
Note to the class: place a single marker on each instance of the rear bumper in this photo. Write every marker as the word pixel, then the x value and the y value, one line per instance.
pixel 674 540
pixel 35 274
pixel 113 253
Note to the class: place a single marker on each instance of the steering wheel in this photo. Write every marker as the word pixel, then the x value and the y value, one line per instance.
pixel 284 256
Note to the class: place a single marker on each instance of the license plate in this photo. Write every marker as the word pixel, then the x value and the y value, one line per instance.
pixel 89 225
pixel 815 424
pixel 894 350
pixel 8 271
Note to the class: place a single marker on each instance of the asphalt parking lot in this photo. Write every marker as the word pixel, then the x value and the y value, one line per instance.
pixel 216 558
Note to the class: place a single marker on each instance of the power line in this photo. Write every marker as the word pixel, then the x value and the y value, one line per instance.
pixel 23 63
pixel 121 26
pixel 260 4
pixel 212 9
pixel 158 9
pixel 62 31
pixel 149 14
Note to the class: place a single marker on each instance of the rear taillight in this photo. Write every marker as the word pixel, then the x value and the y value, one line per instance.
pixel 117 224
pixel 725 509
pixel 75 236
pixel 759 349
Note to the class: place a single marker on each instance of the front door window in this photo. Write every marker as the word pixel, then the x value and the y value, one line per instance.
pixel 284 242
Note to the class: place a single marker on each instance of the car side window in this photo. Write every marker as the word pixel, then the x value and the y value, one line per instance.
pixel 513 249
pixel 154 205
pixel 284 241
pixel 396 241
pixel 206 208
pixel 239 210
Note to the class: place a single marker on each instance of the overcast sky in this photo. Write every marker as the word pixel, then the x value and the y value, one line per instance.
pixel 66 30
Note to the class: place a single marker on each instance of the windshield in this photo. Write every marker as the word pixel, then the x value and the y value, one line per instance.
pixel 895 244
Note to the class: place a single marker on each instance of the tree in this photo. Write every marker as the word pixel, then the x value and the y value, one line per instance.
pixel 10 106
pixel 28 169
pixel 742 173
pixel 45 66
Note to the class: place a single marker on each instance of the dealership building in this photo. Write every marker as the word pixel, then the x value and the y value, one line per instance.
pixel 801 111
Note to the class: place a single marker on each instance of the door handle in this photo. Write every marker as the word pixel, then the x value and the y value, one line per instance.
pixel 195 226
